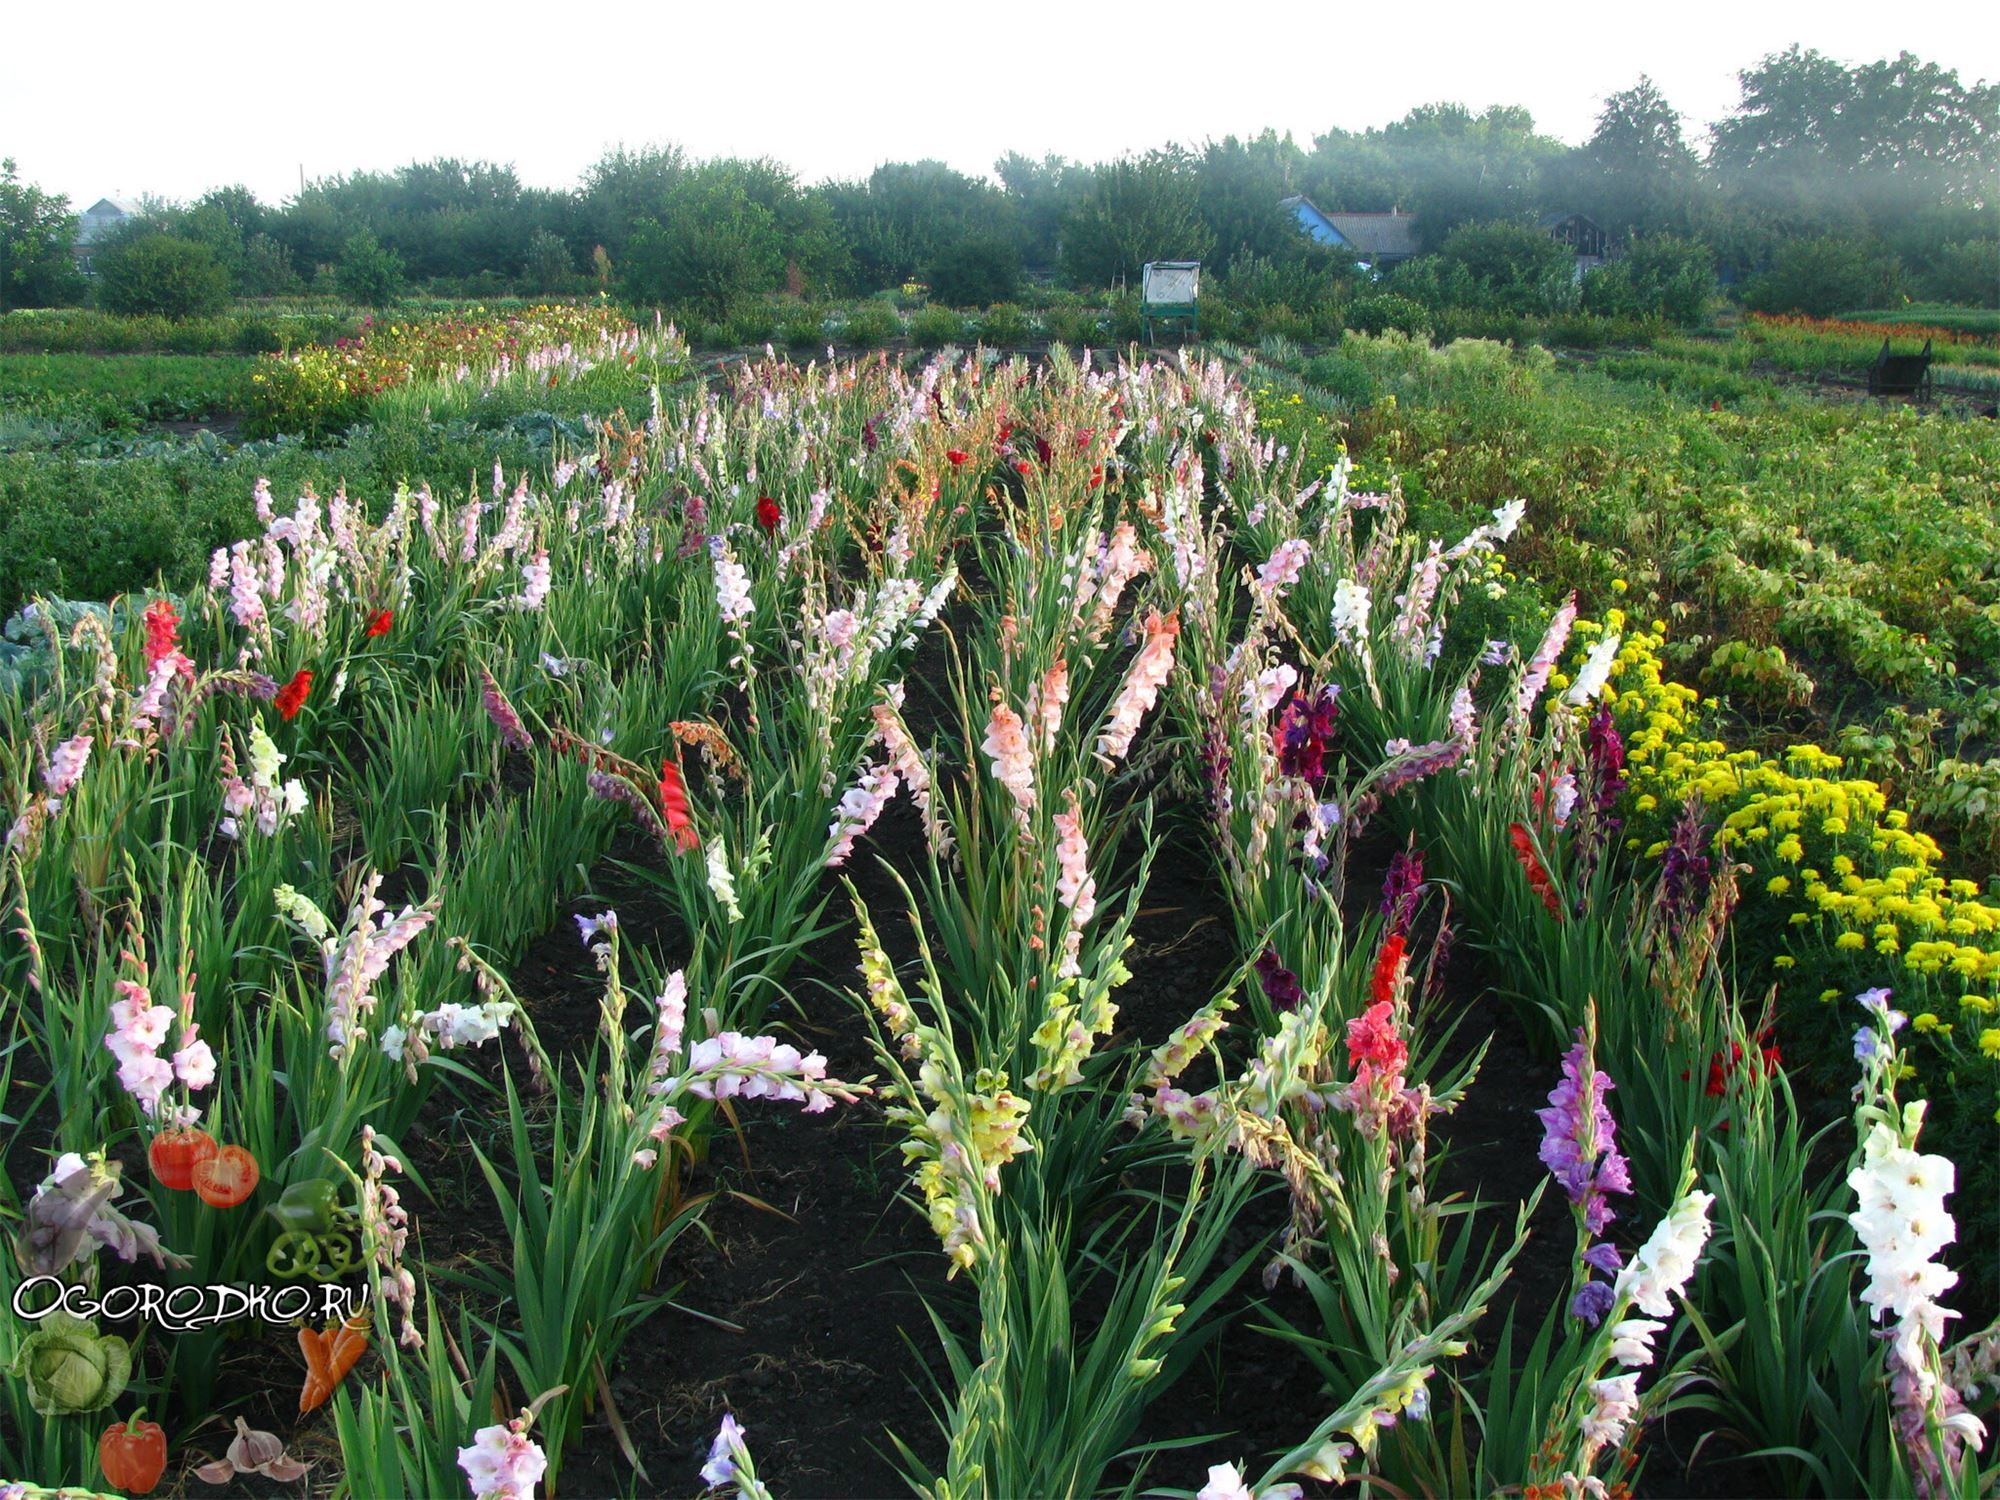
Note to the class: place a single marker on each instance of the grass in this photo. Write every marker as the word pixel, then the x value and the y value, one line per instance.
pixel 1984 320
pixel 124 390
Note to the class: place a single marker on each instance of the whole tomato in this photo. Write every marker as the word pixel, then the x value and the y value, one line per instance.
pixel 226 1178
pixel 133 1454
pixel 175 1154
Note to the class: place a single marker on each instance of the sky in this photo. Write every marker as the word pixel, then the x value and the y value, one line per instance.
pixel 128 99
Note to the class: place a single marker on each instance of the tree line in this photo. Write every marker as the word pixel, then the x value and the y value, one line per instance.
pixel 1827 186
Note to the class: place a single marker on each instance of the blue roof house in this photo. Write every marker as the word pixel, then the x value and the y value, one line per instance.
pixel 1378 241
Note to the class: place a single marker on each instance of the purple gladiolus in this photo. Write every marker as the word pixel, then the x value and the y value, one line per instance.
pixel 1280 983
pixel 1580 1149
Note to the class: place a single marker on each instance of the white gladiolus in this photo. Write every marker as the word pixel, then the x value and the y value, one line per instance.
pixel 1595 672
pixel 1350 612
pixel 1666 1262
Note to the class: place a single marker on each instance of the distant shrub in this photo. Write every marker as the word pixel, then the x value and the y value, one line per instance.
pixel 1074 325
pixel 1127 320
pixel 975 272
pixel 1658 276
pixel 1967 273
pixel 871 324
pixel 934 326
pixel 1005 326
pixel 1346 380
pixel 752 323
pixel 1824 274
pixel 1378 312
pixel 368 272
pixel 802 327
pixel 161 274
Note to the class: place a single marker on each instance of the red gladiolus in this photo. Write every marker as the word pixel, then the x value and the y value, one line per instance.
pixel 674 803
pixel 162 627
pixel 768 514
pixel 1388 969
pixel 379 625
pixel 1538 878
pixel 292 696
pixel 957 456
pixel 1372 1043
pixel 1021 466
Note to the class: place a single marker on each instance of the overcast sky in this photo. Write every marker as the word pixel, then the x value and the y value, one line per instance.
pixel 112 96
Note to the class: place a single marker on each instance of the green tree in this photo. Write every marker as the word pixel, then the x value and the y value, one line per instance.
pixel 161 273
pixel 975 271
pixel 1967 272
pixel 1242 184
pixel 1501 266
pixel 1137 209
pixel 1826 274
pixel 1637 173
pixel 368 272
pixel 1040 191
pixel 1883 138
pixel 908 216
pixel 267 269
pixel 1658 276
pixel 550 267
pixel 36 232
pixel 713 247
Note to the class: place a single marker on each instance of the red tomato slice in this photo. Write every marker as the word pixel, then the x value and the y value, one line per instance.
pixel 226 1178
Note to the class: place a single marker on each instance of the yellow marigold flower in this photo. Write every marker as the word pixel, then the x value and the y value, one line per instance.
pixel 1784 961
pixel 1989 1043
pixel 1777 885
pixel 1850 941
pixel 1927 1021
pixel 1825 995
pixel 1977 1003
pixel 1800 918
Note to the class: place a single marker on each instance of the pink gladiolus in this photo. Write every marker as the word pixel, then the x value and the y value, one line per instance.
pixel 1076 888
pixel 1544 660
pixel 1149 673
pixel 859 807
pixel 1046 701
pixel 1013 760
pixel 65 767
pixel 1282 569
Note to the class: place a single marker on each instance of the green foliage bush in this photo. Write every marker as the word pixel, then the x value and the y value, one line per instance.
pixel 1004 326
pixel 1380 311
pixel 163 275
pixel 933 327
pixel 1821 275
pixel 1074 324
pixel 975 272
pixel 1497 266
pixel 803 326
pixel 1967 273
pixel 1658 276
pixel 712 248
pixel 871 324
pixel 368 273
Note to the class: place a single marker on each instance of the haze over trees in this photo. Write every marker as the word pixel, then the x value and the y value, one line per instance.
pixel 1827 186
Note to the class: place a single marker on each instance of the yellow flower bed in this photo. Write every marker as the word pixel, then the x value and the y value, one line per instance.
pixel 1829 851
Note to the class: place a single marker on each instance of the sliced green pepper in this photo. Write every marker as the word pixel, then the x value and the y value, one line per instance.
pixel 309 1207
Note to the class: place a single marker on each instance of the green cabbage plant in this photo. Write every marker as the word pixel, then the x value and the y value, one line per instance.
pixel 69 1367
